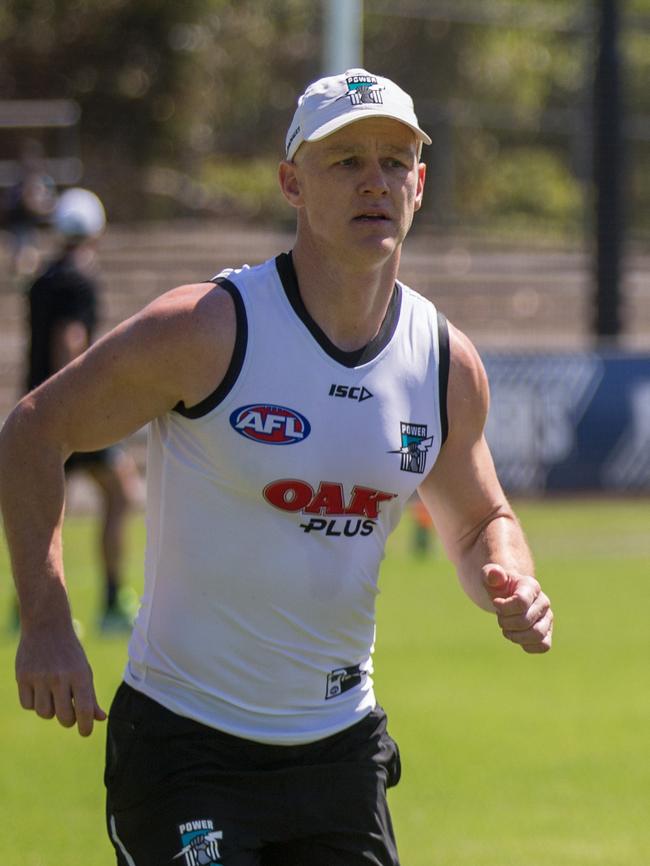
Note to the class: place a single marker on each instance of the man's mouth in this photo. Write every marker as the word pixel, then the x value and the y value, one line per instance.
pixel 372 216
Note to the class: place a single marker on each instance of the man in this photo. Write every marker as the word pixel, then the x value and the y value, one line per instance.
pixel 294 409
pixel 63 314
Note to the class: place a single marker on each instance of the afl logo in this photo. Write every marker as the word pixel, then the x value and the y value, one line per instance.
pixel 269 424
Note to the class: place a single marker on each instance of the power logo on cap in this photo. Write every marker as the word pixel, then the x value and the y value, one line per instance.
pixel 364 89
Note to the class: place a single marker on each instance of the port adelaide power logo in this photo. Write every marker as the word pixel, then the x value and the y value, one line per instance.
pixel 270 424
pixel 364 90
pixel 415 444
pixel 200 843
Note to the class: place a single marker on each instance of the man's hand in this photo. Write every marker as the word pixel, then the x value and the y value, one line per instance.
pixel 523 610
pixel 55 679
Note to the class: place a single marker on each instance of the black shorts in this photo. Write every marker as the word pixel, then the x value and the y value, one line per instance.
pixel 87 459
pixel 179 792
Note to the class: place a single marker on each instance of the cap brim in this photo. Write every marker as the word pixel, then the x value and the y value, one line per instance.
pixel 347 119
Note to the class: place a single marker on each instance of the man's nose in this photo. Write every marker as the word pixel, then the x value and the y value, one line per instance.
pixel 374 179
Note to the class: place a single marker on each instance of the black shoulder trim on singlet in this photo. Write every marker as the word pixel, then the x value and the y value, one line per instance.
pixel 287 273
pixel 443 374
pixel 236 362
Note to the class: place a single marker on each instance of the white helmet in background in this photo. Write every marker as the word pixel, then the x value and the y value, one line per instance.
pixel 79 214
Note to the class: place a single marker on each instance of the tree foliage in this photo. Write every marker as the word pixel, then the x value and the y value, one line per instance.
pixel 192 98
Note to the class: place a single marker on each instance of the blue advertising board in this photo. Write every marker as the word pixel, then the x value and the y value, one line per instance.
pixel 570 422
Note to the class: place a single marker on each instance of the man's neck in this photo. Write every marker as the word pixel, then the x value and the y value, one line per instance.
pixel 347 300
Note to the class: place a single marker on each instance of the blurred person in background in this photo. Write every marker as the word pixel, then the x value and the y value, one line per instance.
pixel 28 206
pixel 294 409
pixel 63 315
pixel 423 536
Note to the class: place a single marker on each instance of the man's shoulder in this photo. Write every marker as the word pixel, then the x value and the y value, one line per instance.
pixel 246 275
pixel 421 307
pixel 188 314
pixel 415 294
pixel 184 301
pixel 468 384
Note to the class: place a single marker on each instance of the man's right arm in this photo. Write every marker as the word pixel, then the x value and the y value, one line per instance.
pixel 176 349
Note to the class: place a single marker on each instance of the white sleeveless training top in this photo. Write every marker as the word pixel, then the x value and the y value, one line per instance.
pixel 268 509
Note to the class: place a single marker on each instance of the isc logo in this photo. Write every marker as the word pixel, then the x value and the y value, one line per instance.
pixel 270 424
pixel 352 392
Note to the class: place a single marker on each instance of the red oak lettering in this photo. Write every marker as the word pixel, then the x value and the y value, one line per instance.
pixel 365 501
pixel 328 500
pixel 289 494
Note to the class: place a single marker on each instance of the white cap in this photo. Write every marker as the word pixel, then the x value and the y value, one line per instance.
pixel 79 214
pixel 331 103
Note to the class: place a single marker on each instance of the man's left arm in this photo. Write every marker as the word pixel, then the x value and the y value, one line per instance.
pixel 477 526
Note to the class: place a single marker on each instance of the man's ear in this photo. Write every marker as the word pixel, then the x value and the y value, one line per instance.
pixel 289 183
pixel 422 173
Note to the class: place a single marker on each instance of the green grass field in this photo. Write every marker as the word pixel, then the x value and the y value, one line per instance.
pixel 508 759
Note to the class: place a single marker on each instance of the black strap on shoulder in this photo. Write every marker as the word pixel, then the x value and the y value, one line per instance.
pixel 443 374
pixel 236 362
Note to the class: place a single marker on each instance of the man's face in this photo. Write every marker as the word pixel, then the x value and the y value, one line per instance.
pixel 357 190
